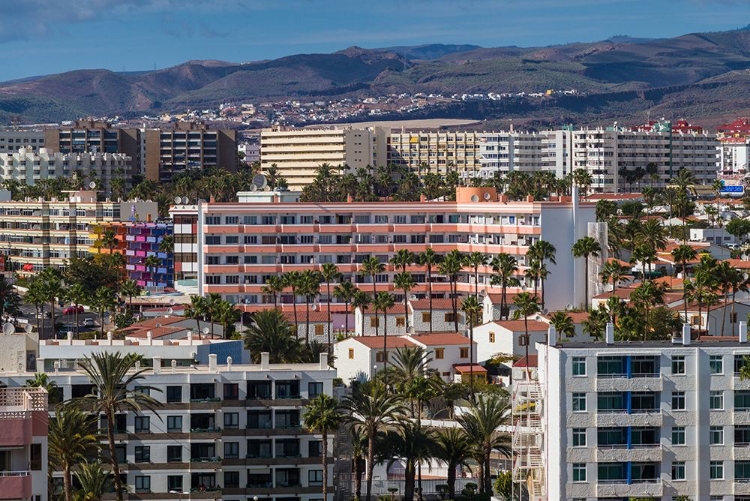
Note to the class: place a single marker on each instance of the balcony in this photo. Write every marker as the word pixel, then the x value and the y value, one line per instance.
pixel 638 453
pixel 639 418
pixel 742 486
pixel 621 488
pixel 15 485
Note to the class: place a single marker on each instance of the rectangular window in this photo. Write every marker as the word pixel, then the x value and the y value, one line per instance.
pixel 174 454
pixel 35 450
pixel 231 391
pixel 315 448
pixel 174 423
pixel 142 424
pixel 741 400
pixel 426 317
pixel 678 435
pixel 579 437
pixel 678 400
pixel 319 329
pixel 315 478
pixel 232 420
pixel 174 394
pixel 142 454
pixel 400 321
pixel 716 400
pixel 232 240
pixel 716 364
pixel 579 472
pixel 450 317
pixel 579 366
pixel 174 483
pixel 351 353
pixel 142 483
pixel 741 471
pixel 232 450
pixel 716 470
pixel 231 479
pixel 314 389
pixel 716 435
pixel 439 353
pixel 579 402
pixel 379 356
pixel 678 470
pixel 678 364
pixel 492 337
pixel 463 353
pixel 374 322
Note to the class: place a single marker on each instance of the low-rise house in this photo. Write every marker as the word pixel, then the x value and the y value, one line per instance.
pixel 442 315
pixel 491 309
pixel 504 338
pixel 394 322
pixel 711 319
pixel 318 327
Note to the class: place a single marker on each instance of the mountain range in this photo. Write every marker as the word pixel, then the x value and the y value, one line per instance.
pixel 703 77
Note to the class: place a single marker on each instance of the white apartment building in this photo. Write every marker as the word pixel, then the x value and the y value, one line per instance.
pixel 646 419
pixel 28 166
pixel 224 430
pixel 13 140
pixel 735 154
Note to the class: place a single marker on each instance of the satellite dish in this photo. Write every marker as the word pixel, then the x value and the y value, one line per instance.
pixel 171 301
pixel 260 181
pixel 487 196
pixel 170 311
pixel 253 187
pixel 177 200
pixel 185 200
pixel 545 311
pixel 569 306
pixel 206 330
pixel 8 328
pixel 92 185
pixel 28 328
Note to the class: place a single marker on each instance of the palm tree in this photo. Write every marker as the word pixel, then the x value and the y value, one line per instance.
pixel 292 281
pixel 405 282
pixel 474 260
pixel 429 259
pixel 682 254
pixel 480 422
pixel 152 262
pixel 410 443
pixel 103 300
pixel 585 247
pixel 646 255
pixel 533 272
pixel 383 302
pixel 94 481
pixel 42 380
pixel 274 285
pixel 329 272
pixel 227 315
pixel 505 267
pixel 543 251
pixel 370 408
pixel 526 305
pixel 362 300
pixel 473 308
pixel 371 267
pixel 450 267
pixel 271 333
pixel 614 272
pixel 453 448
pixel 166 244
pixel 109 239
pixel 403 258
pixel 52 288
pixel 36 295
pixel 323 415
pixel 114 377
pixel 563 324
pixel 71 438
pixel 345 292
pixel 738 282
pixel 131 289
pixel 645 296
pixel 213 300
pixel 309 287
pixel 196 310
pixel 653 233
pixel 76 294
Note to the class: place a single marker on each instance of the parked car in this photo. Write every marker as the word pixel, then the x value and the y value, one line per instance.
pixel 71 310
pixel 89 322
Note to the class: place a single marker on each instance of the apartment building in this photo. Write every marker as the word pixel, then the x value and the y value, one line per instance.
pixel 37 234
pixel 29 166
pixel 14 139
pixel 225 430
pixel 242 244
pixel 91 136
pixel 185 219
pixel 23 444
pixel 297 153
pixel 647 419
pixel 186 146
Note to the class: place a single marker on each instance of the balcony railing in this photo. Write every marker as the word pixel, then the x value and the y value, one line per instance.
pixel 260 485
pixel 210 429
pixel 206 459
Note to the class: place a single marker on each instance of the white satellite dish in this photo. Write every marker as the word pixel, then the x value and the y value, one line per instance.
pixel 545 311
pixel 260 181
pixel 487 196
pixel 92 185
pixel 28 328
pixel 8 328
pixel 253 187
pixel 177 200
pixel 170 311
pixel 185 200
pixel 206 330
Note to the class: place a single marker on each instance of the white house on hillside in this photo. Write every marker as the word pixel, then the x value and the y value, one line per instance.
pixel 442 315
pixel 374 324
pixel 503 338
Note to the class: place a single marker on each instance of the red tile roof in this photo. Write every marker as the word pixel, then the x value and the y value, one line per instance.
pixel 376 342
pixel 576 316
pixel 396 309
pixel 518 325
pixel 530 361
pixel 740 264
pixel 466 368
pixel 441 339
pixel 157 332
pixel 437 304
pixel 316 316
pixel 156 321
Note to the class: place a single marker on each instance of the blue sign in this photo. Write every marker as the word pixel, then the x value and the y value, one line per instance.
pixel 732 189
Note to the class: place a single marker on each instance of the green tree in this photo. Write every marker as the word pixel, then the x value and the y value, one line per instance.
pixel 371 267
pixel 42 380
pixel 405 282
pixel 274 286
pixel 450 267
pixel 103 301
pixel 323 415
pixel 292 281
pixel 196 310
pixel 684 254
pixel 644 297
pixel 563 324
pixel 345 292
pixel 429 259
pixel 131 289
pixel 309 287
pixel 544 252
pixel 474 260
pixel 739 228
pixel 114 378
pixel 227 315
pixel 362 301
pixel 383 302
pixel 505 267
pixel 585 247
pixel 613 272
pixel 36 296
pixel 330 273
pixel 213 300
pixel 526 305
pixel 504 485
pixel 71 436
pixel 51 280
pixel 271 332
pixel 473 309
pixel 94 481
pixel 452 448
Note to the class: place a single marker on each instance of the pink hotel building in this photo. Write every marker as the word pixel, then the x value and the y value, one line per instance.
pixel 241 244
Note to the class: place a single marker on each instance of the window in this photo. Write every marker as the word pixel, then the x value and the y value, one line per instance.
pixel 579 402
pixel 379 356
pixel 716 470
pixel 231 420
pixel 426 317
pixel 716 364
pixel 174 483
pixel 142 483
pixel 142 424
pixel 174 394
pixel 450 317
pixel 678 400
pixel 741 471
pixel 314 389
pixel 315 478
pixel 579 366
pixel 315 448
pixel 492 337
pixel 716 400
pixel 35 463
pixel 231 240
pixel 741 400
pixel 351 353
pixel 678 435
pixel 319 329
pixel 579 472
pixel 231 479
pixel 439 353
pixel 231 450
pixel 678 470
pixel 174 454
pixel 174 423
pixel 716 435
pixel 678 364
pixel 142 454
pixel 579 437
pixel 463 353
pixel 213 240
pixel 231 391
pixel 374 322
pixel 400 321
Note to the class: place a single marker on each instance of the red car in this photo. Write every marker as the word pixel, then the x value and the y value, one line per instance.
pixel 71 310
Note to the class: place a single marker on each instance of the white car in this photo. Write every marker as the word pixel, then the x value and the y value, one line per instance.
pixel 89 322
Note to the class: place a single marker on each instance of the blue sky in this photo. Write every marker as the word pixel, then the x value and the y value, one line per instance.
pixel 39 37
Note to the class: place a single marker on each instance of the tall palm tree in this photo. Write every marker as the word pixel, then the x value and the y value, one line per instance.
pixel 410 443
pixel 585 247
pixel 109 239
pixel 473 308
pixel 738 282
pixel 453 448
pixel 543 251
pixel 329 272
pixel 213 300
pixel 526 305
pixel 474 260
pixel 383 302
pixel 94 481
pixel 646 255
pixel 533 273
pixel 51 280
pixel 323 415
pixel 114 377
pixel 292 281
pixel 450 267
pixel 274 286
pixel 653 233
pixel 166 244
pixel 405 282
pixel 103 301
pixel 129 288
pixel 271 333
pixel 403 258
pixel 645 296
pixel 72 437
pixel 42 380
pixel 76 294
pixel 429 259
pixel 152 262
pixel 345 292
pixel 563 324
pixel 196 310
pixel 682 254
pixel 371 267
pixel 505 267
pixel 480 422
pixel 36 295
pixel 309 287
pixel 613 272
pixel 362 301
pixel 227 315
pixel 371 407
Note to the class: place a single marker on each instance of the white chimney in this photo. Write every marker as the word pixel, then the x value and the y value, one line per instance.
pixel 743 332
pixel 70 337
pixel 174 365
pixel 264 360
pixel 190 337
pixel 212 362
pixel 323 360
pixel 609 333
pixel 686 334
pixel 109 336
pixel 229 363
pixel 552 335
pixel 149 337
pixel 157 365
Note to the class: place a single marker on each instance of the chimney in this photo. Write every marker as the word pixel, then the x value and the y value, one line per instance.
pixel 530 198
pixel 109 336
pixel 422 198
pixel 229 363
pixel 686 334
pixel 212 362
pixel 349 198
pixel 552 336
pixel 264 359
pixel 157 365
pixel 190 337
pixel 149 338
pixel 212 199
pixel 323 360
pixel 70 337
pixel 609 333
pixel 743 332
